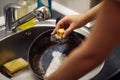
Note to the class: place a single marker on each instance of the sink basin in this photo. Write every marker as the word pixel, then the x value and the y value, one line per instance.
pixel 17 45
pixel 21 41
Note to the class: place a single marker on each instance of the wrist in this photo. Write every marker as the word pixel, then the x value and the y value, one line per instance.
pixel 85 18
pixel 88 17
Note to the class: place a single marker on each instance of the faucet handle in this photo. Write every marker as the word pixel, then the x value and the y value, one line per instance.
pixel 42 13
pixel 9 14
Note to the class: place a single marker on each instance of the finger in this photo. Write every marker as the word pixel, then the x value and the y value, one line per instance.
pixel 59 25
pixel 55 30
pixel 69 30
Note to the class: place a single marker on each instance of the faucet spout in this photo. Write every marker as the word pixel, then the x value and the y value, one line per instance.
pixel 41 13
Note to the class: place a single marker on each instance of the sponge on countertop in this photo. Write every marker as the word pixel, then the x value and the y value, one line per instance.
pixel 16 65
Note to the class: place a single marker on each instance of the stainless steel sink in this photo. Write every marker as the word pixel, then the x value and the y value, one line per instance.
pixel 18 44
pixel 21 41
pixel 15 45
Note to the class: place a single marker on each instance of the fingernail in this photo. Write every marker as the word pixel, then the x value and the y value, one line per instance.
pixel 64 36
pixel 52 33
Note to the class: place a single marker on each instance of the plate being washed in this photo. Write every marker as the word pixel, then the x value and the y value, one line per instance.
pixel 92 73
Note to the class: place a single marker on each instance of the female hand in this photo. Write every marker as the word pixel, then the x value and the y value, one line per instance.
pixel 70 23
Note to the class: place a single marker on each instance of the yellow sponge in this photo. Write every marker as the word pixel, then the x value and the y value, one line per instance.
pixel 28 24
pixel 60 33
pixel 16 65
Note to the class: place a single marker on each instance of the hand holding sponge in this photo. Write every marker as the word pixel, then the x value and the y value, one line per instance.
pixel 60 33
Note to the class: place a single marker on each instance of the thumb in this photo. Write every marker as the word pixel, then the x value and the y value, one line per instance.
pixel 59 25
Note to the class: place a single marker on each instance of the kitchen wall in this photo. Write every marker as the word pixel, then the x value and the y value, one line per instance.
pixel 4 2
pixel 76 5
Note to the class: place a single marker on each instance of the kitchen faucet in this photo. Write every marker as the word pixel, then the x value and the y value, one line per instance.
pixel 11 24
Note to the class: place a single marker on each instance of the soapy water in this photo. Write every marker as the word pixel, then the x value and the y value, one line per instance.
pixel 57 60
